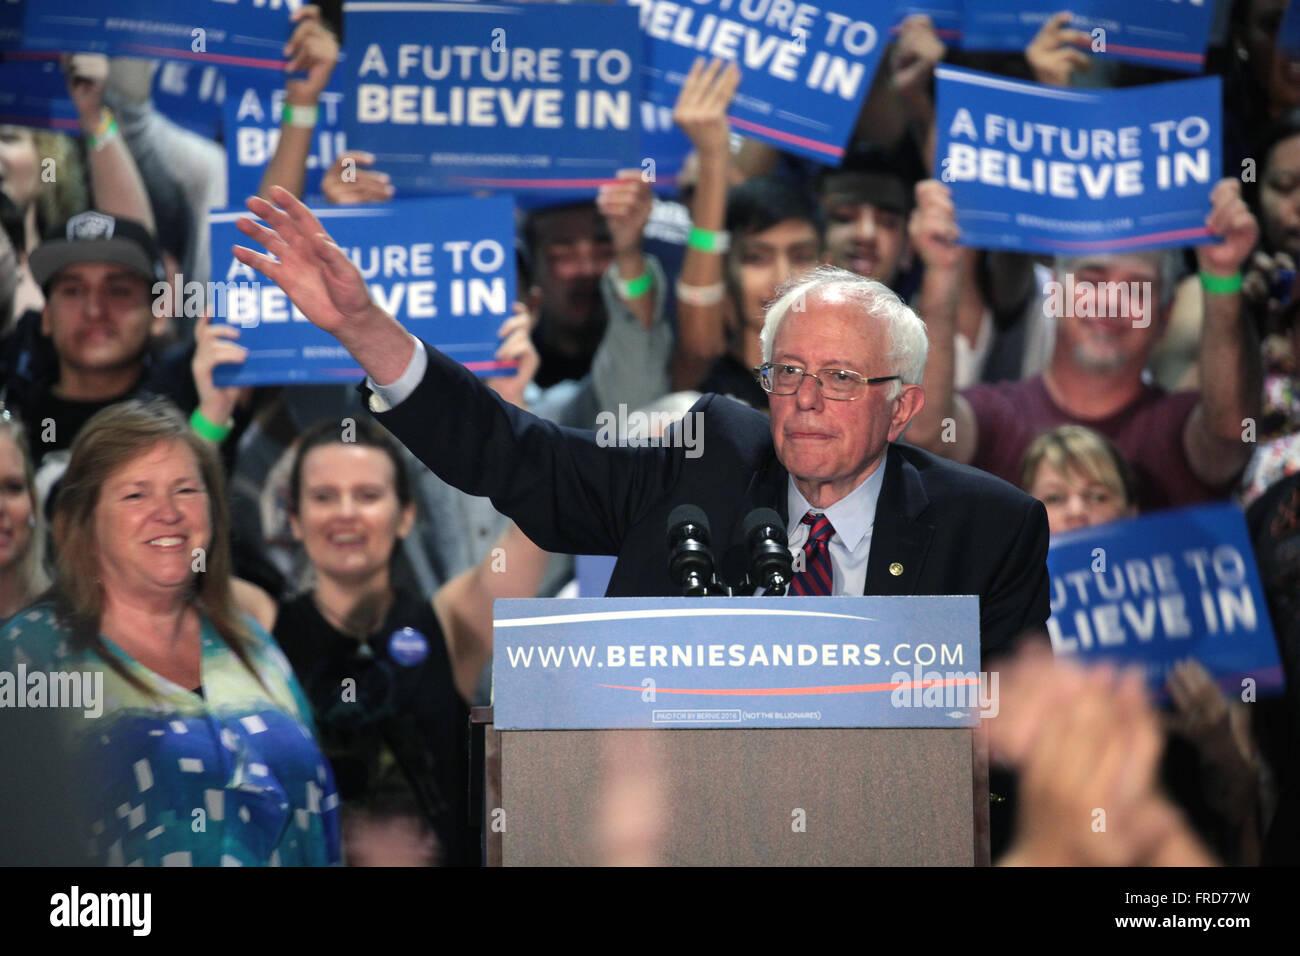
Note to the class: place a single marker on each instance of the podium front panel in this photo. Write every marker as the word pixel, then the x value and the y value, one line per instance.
pixel 882 796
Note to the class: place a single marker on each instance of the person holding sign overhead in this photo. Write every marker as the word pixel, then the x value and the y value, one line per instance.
pixel 1184 448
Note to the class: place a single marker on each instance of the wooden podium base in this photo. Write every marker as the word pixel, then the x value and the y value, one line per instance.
pixel 760 797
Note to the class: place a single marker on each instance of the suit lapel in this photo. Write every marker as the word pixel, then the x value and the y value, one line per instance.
pixel 767 489
pixel 899 540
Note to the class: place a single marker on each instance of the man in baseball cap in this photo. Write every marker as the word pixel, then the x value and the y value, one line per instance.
pixel 96 237
pixel 93 349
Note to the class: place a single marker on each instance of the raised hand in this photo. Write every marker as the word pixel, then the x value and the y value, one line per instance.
pixel 516 346
pixel 215 345
pixel 347 182
pixel 312 49
pixel 915 53
pixel 1052 55
pixel 312 270
pixel 323 283
pixel 933 229
pixel 86 74
pixel 1085 740
pixel 701 109
pixel 626 208
pixel 1231 219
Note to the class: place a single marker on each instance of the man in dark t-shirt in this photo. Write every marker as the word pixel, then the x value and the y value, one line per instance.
pixel 1110 311
pixel 90 346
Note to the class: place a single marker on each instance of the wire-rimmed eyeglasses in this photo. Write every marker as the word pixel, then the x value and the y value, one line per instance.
pixel 837 384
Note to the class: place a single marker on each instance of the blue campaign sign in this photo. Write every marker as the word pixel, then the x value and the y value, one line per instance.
pixel 444 268
pixel 1288 33
pixel 252 126
pixel 247 33
pixel 805 69
pixel 1162 587
pixel 1171 34
pixel 191 95
pixel 611 663
pixel 34 93
pixel 664 147
pixel 1044 169
pixel 533 97
pixel 946 15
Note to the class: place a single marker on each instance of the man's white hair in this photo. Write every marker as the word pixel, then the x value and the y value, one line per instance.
pixel 908 342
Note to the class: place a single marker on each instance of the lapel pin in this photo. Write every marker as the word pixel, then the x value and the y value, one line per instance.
pixel 895 569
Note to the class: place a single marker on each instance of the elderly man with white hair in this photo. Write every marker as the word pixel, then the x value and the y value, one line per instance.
pixel 843 360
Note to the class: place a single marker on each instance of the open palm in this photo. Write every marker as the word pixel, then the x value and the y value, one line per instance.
pixel 314 273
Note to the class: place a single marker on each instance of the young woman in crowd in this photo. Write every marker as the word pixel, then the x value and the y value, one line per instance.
pixel 191 731
pixel 388 672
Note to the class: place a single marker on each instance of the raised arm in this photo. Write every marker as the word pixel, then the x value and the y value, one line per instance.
pixel 312 49
pixel 914 56
pixel 701 112
pixel 566 489
pixel 114 178
pixel 946 425
pixel 626 208
pixel 1230 359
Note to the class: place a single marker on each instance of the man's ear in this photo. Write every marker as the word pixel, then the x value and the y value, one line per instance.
pixel 906 407
pixel 45 319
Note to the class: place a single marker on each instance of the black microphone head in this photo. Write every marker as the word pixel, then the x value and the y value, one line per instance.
pixel 769 553
pixel 688 514
pixel 767 523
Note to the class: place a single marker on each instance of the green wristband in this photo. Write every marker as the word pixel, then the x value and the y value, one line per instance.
pixel 1221 285
pixel 106 134
pixel 707 241
pixel 304 116
pixel 629 289
pixel 206 429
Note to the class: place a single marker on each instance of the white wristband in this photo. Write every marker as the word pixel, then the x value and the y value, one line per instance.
pixel 701 294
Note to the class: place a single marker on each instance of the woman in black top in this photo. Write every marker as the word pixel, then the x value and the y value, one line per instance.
pixel 388 673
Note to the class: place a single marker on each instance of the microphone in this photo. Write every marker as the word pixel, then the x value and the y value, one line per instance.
pixel 770 564
pixel 690 561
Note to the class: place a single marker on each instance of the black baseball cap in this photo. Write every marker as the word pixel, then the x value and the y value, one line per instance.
pixel 96 237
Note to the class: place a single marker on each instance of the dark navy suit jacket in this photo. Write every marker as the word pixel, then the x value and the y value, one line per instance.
pixel 954 529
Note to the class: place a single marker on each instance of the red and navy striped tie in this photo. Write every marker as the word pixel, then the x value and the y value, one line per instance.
pixel 817 576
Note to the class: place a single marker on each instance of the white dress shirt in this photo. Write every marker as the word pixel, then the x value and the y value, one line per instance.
pixel 852 517
pixel 384 398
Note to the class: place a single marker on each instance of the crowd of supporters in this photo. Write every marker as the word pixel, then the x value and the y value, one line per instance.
pixel 364 566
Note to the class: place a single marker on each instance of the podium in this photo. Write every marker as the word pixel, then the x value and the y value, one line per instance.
pixel 677 754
